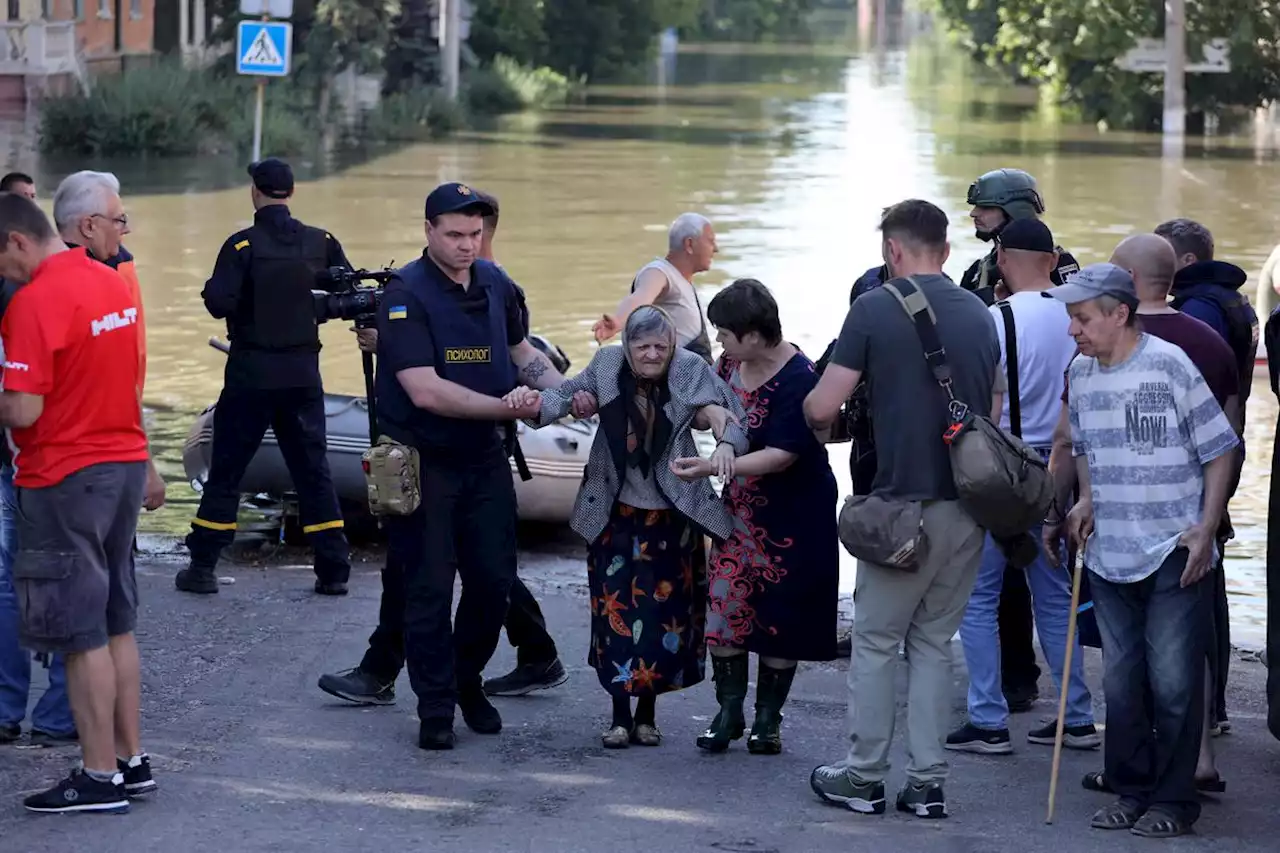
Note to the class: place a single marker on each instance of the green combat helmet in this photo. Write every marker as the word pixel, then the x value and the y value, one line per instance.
pixel 1012 190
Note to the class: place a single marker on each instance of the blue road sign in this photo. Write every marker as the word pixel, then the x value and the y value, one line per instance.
pixel 263 48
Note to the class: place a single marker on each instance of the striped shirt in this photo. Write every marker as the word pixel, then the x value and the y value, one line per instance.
pixel 1147 426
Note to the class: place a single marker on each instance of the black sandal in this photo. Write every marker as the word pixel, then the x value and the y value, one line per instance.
pixel 1157 823
pixel 1096 781
pixel 1216 785
pixel 1115 816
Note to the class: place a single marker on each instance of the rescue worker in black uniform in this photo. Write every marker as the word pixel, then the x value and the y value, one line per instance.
pixel 451 343
pixel 261 285
pixel 998 198
pixel 538 666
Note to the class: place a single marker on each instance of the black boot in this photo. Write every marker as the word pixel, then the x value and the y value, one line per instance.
pixel 730 675
pixel 772 687
pixel 198 579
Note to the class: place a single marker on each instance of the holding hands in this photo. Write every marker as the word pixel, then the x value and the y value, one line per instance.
pixel 524 401
pixel 721 464
pixel 528 402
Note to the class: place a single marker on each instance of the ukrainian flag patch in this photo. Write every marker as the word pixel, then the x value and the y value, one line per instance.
pixel 397 312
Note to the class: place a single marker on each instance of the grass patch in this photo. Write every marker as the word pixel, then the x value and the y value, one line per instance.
pixel 411 116
pixel 506 86
pixel 168 110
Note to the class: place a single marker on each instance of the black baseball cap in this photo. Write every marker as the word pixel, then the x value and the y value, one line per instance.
pixel 452 197
pixel 272 177
pixel 1029 235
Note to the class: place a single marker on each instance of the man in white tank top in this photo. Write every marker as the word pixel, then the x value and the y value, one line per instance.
pixel 668 283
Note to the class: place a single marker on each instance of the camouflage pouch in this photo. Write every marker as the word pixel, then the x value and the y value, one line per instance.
pixel 392 477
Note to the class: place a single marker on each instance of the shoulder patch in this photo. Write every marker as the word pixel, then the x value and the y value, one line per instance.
pixel 397 312
pixel 241 245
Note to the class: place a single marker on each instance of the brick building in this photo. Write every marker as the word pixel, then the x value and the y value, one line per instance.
pixel 110 34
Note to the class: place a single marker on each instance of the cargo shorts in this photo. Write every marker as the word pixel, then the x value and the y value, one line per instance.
pixel 74 572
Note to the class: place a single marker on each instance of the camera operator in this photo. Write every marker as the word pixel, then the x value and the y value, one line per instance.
pixel 261 285
pixel 451 342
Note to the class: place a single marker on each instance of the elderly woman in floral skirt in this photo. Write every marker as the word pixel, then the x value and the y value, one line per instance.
pixel 645 527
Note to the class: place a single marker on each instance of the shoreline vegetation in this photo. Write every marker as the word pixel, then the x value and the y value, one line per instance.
pixel 166 110
pixel 519 55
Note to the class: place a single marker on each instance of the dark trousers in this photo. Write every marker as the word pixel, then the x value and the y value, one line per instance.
pixel 526 626
pixel 466 526
pixel 1019 671
pixel 240 420
pixel 1153 640
pixel 1219 637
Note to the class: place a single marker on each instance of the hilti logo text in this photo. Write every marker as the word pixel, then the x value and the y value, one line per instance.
pixel 16 365
pixel 113 321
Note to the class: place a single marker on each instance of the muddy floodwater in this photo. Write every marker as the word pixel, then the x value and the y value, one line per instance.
pixel 791 153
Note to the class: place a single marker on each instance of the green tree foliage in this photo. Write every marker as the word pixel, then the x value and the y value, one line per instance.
pixel 599 39
pixel 508 28
pixel 413 54
pixel 1070 48
pixel 752 20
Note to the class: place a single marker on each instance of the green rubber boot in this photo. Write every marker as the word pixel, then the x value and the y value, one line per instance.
pixel 772 687
pixel 730 675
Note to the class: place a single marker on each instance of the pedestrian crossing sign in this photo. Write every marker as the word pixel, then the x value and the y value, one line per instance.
pixel 263 48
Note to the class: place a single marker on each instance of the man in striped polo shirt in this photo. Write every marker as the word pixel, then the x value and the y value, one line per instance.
pixel 1152 450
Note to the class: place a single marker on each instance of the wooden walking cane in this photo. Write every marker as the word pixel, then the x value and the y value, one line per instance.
pixel 1065 680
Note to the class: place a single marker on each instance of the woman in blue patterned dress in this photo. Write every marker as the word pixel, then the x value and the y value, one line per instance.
pixel 772 585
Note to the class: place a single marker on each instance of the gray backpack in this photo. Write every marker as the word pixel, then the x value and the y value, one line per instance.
pixel 1001 480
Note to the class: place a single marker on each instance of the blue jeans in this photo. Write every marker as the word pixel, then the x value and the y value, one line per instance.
pixel 980 635
pixel 52 713
pixel 1154 639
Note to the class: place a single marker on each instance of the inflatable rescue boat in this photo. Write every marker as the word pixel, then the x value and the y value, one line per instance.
pixel 555 455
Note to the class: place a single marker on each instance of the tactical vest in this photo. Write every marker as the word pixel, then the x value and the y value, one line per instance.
pixel 469 349
pixel 984 274
pixel 277 311
pixel 1242 326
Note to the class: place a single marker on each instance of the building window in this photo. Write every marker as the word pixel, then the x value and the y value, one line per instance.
pixel 104 8
pixel 44 9
pixel 77 9
pixel 15 10
pixel 135 8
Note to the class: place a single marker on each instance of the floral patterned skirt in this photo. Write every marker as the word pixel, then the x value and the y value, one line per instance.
pixel 647 573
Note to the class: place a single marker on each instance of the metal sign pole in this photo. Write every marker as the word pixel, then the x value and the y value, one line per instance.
pixel 262 50
pixel 257 119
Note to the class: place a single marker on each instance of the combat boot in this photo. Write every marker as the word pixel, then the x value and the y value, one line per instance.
pixel 772 687
pixel 730 675
pixel 198 579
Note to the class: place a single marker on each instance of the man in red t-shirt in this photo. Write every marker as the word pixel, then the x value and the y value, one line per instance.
pixel 70 399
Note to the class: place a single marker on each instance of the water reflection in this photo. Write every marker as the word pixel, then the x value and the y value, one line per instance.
pixel 792 154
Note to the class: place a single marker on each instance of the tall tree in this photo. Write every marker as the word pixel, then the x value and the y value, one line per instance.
pixel 1070 47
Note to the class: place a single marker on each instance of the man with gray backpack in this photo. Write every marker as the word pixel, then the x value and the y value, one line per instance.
pixel 912 588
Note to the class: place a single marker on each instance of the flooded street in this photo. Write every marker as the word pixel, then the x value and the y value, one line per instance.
pixel 791 155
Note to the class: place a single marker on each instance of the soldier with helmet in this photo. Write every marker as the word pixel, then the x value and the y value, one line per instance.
pixel 998 198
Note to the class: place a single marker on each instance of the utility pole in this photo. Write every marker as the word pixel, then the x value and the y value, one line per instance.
pixel 1175 74
pixel 449 21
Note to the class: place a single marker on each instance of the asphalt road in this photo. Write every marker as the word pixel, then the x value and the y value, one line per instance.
pixel 250 756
